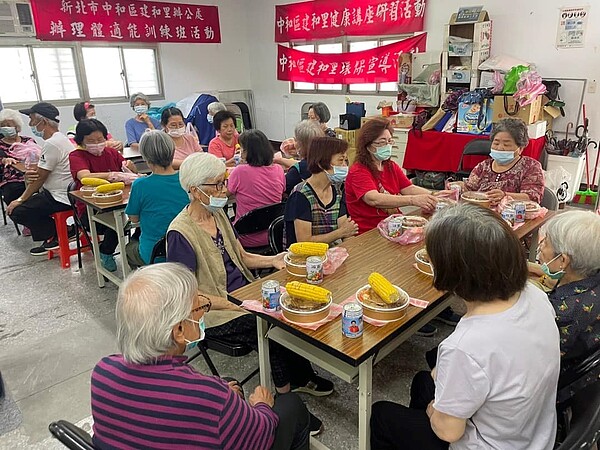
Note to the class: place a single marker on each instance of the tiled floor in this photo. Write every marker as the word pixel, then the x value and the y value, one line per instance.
pixel 55 324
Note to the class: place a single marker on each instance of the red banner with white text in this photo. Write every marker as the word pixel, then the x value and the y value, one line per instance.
pixel 121 21
pixel 378 65
pixel 321 19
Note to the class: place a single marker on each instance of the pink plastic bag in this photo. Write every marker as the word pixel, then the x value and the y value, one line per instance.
pixel 335 258
pixel 20 150
pixel 410 236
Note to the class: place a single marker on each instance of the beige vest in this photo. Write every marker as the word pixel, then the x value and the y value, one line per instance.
pixel 210 269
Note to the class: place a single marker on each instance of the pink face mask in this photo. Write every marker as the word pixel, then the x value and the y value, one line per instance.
pixel 96 149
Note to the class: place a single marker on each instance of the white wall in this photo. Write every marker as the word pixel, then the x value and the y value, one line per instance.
pixel 523 29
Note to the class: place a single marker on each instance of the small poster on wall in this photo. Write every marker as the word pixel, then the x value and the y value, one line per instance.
pixel 572 24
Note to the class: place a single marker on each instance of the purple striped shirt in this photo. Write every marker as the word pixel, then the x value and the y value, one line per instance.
pixel 169 405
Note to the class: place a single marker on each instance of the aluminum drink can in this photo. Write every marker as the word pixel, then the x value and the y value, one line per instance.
pixel 237 158
pixel 395 227
pixel 455 187
pixel 519 212
pixel 314 270
pixel 270 295
pixel 508 214
pixel 352 320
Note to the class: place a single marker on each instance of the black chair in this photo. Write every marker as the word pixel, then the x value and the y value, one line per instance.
pixel 79 228
pixel 257 220
pixel 584 425
pixel 476 147
pixel 4 212
pixel 159 250
pixel 71 436
pixel 276 235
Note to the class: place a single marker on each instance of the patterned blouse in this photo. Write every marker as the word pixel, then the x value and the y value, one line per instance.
pixel 8 174
pixel 525 177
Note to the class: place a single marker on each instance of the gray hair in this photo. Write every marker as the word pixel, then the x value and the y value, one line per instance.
pixel 304 133
pixel 577 235
pixel 513 126
pixel 322 111
pixel 151 301
pixel 215 107
pixel 15 116
pixel 198 168
pixel 139 96
pixel 53 123
pixel 157 148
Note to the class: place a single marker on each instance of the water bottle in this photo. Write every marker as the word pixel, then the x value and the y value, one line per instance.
pixel 31 161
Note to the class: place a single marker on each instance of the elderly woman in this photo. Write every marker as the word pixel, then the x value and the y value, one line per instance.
pixel 154 200
pixel 569 254
pixel 214 108
pixel 201 237
pixel 304 133
pixel 507 172
pixel 316 209
pixel 185 144
pixel 486 387
pixel 150 395
pixel 319 112
pixel 225 143
pixel 376 186
pixel 93 158
pixel 136 126
pixel 12 181
pixel 257 183
pixel 86 110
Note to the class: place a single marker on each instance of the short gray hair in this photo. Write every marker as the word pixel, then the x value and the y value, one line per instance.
pixel 304 133
pixel 322 111
pixel 198 168
pixel 151 301
pixel 215 107
pixel 138 96
pixel 15 116
pixel 53 123
pixel 577 235
pixel 513 126
pixel 157 148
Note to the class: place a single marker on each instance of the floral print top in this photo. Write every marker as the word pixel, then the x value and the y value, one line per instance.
pixel 9 174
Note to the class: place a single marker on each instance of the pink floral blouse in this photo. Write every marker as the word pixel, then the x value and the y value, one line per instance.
pixel 525 177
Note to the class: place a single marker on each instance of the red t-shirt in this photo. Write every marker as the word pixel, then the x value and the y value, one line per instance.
pixel 360 181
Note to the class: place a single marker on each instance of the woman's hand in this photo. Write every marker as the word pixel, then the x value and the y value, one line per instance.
pixel 261 395
pixel 278 262
pixel 425 201
pixel 347 227
pixel 235 387
pixel 495 196
pixel 117 145
pixel 9 161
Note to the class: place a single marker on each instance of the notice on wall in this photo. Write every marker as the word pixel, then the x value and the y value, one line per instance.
pixel 119 21
pixel 572 24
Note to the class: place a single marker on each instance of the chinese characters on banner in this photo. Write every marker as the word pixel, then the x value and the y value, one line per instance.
pixel 378 65
pixel 321 19
pixel 125 21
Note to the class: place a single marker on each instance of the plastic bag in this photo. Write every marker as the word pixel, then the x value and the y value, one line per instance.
pixel 529 87
pixel 335 258
pixel 498 82
pixel 20 150
pixel 559 181
pixel 410 236
pixel 512 78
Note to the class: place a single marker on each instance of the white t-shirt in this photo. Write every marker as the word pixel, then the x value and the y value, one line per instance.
pixel 500 372
pixel 55 158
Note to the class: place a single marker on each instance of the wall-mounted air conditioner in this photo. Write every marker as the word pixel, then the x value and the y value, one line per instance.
pixel 16 19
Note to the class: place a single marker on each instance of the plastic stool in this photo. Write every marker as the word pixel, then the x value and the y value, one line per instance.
pixel 64 249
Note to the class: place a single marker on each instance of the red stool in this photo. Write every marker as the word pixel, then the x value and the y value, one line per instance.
pixel 64 248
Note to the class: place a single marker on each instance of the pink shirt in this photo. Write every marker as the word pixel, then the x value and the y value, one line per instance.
pixel 189 145
pixel 254 187
pixel 220 149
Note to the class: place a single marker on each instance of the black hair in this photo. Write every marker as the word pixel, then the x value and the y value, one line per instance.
pixel 80 110
pixel 221 117
pixel 259 151
pixel 86 127
pixel 169 112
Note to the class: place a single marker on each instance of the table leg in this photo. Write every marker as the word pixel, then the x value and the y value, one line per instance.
pixel 264 363
pixel 120 230
pixel 95 245
pixel 365 386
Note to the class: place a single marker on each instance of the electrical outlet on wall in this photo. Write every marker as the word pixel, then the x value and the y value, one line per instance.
pixel 592 87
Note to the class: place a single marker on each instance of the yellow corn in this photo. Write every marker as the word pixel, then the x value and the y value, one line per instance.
pixel 384 288
pixel 309 248
pixel 111 187
pixel 306 291
pixel 91 181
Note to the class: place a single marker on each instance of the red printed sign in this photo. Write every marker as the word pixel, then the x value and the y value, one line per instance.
pixel 125 21
pixel 322 19
pixel 378 65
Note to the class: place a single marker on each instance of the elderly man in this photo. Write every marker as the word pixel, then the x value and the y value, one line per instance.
pixel 147 397
pixel 34 207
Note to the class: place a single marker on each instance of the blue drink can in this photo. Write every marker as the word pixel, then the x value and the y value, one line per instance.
pixel 519 212
pixel 352 320
pixel 270 295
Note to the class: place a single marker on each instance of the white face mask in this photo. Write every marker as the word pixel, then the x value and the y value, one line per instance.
pixel 140 109
pixel 214 203
pixel 8 131
pixel 178 132
pixel 201 327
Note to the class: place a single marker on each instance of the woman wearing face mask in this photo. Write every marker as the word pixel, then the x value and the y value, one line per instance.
pixel 201 237
pixel 148 393
pixel 257 183
pixel 376 186
pixel 224 144
pixel 135 127
pixel 185 144
pixel 507 172
pixel 92 158
pixel 316 209
pixel 85 110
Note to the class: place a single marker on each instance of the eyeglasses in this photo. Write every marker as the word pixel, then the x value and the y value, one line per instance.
pixel 219 186
pixel 206 307
pixel 382 142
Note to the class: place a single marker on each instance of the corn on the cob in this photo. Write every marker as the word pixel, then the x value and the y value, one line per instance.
pixel 384 288
pixel 309 248
pixel 91 181
pixel 110 187
pixel 306 291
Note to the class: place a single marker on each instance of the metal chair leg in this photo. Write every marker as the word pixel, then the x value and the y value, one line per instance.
pixel 207 359
pixel 249 377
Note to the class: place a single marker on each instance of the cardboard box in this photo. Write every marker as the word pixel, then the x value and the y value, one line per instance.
pixel 405 68
pixel 402 120
pixel 346 135
pixel 351 153
pixel 506 106
pixel 537 129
